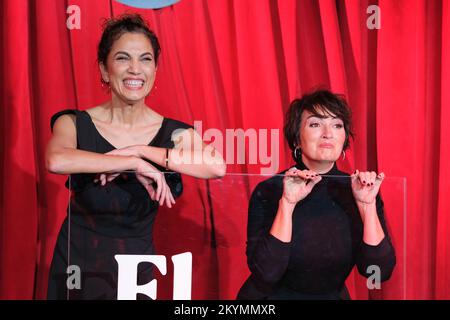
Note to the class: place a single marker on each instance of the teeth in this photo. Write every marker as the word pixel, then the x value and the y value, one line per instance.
pixel 133 83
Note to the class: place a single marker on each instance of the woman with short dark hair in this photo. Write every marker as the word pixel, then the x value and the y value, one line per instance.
pixel 309 227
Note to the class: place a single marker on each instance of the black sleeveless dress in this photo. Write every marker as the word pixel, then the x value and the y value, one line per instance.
pixel 106 220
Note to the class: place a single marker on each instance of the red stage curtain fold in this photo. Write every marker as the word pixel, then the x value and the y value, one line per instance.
pixel 237 64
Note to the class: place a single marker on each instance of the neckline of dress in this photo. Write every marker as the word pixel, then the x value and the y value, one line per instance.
pixel 106 140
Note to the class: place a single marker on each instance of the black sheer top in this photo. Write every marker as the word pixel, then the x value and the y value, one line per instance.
pixel 326 242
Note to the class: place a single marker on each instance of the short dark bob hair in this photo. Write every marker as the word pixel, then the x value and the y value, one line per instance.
pixel 319 100
pixel 114 28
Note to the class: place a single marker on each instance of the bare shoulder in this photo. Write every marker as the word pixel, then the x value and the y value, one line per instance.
pixel 65 121
pixel 65 125
pixel 64 132
pixel 96 112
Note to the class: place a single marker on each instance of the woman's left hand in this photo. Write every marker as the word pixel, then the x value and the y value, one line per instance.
pixel 365 186
pixel 134 151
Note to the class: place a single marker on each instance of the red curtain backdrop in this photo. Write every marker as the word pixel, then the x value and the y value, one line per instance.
pixel 236 64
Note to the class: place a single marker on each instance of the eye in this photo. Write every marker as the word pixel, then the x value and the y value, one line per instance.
pixel 339 126
pixel 122 58
pixel 314 124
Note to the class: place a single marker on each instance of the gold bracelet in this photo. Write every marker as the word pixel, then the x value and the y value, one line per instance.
pixel 167 159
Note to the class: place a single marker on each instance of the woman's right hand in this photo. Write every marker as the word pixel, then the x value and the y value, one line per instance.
pixel 297 184
pixel 147 174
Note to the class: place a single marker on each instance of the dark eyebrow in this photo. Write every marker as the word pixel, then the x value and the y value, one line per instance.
pixel 121 52
pixel 128 55
pixel 317 116
pixel 322 117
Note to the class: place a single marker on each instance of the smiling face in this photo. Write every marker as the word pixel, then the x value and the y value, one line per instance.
pixel 322 136
pixel 130 67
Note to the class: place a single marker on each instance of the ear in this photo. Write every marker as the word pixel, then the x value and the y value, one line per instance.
pixel 104 72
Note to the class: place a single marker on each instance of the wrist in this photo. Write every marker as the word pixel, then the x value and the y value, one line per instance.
pixel 286 204
pixel 139 151
pixel 134 162
pixel 365 207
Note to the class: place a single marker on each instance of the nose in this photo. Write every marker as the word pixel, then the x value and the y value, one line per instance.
pixel 327 132
pixel 134 67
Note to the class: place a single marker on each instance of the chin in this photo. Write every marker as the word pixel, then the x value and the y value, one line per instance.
pixel 327 159
pixel 131 100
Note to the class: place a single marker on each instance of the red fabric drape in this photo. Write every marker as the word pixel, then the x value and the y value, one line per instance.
pixel 237 64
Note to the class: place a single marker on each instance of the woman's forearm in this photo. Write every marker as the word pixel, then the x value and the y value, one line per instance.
pixel 196 163
pixel 373 232
pixel 282 224
pixel 69 160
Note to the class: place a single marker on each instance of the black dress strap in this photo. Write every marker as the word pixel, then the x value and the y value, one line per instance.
pixel 86 135
pixel 61 113
pixel 164 137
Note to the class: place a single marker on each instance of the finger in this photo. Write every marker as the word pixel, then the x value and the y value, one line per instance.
pixel 379 179
pixel 148 186
pixel 163 193
pixel 103 179
pixel 289 177
pixel 165 187
pixel 172 197
pixel 368 178
pixel 313 182
pixel 168 200
pixel 373 176
pixel 151 192
pixel 313 174
pixel 308 174
pixel 291 173
pixel 158 186
pixel 145 183
pixel 355 174
pixel 111 177
pixel 304 174
pixel 362 178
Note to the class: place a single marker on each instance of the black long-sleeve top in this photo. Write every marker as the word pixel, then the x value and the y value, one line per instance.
pixel 327 242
